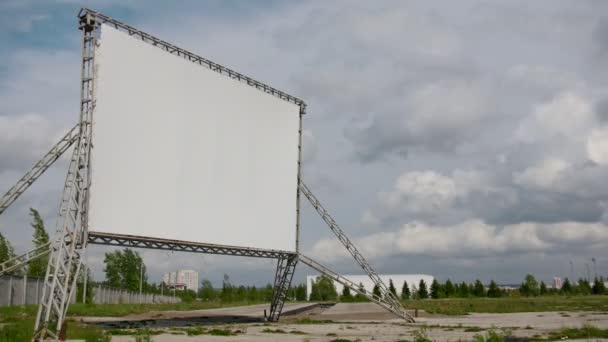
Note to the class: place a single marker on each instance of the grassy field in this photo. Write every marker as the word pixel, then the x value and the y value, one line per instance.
pixel 17 322
pixel 463 306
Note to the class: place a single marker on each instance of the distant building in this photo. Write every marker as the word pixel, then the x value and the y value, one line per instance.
pixel 557 283
pixel 412 281
pixel 182 279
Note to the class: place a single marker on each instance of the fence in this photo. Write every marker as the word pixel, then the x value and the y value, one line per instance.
pixel 24 290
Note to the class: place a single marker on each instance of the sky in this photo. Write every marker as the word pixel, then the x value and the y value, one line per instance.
pixel 461 139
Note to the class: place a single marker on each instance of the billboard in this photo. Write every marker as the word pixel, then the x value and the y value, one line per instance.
pixel 183 152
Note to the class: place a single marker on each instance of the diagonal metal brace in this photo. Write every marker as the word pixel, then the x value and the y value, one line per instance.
pixel 25 258
pixel 39 168
pixel 389 296
pixel 383 301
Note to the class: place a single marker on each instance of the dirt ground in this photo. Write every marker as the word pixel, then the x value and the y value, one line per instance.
pixel 364 322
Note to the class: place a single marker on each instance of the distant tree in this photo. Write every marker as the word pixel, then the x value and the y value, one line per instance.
pixel 240 293
pixel 346 295
pixel 376 291
pixel 124 268
pixel 323 289
pixel 583 287
pixel 254 296
pixel 566 287
pixel 543 289
pixel 80 289
pixel 405 291
pixel 391 287
pixel 37 268
pixel 529 287
pixel 206 292
pixel 359 297
pixel 463 290
pixel 423 293
pixel 301 293
pixel 478 289
pixel 493 290
pixel 227 294
pixel 598 287
pixel 449 289
pixel 186 295
pixel 436 292
pixel 267 293
pixel 6 250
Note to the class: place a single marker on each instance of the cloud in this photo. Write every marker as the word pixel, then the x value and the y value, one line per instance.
pixel 438 116
pixel 597 145
pixel 567 115
pixel 544 175
pixel 24 139
pixel 424 194
pixel 472 238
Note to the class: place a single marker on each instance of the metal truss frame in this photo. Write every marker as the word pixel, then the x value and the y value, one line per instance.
pixel 133 241
pixel 282 281
pixel 69 240
pixel 168 47
pixel 39 168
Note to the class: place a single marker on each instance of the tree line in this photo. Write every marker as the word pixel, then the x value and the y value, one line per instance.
pixel 323 289
pixel 125 269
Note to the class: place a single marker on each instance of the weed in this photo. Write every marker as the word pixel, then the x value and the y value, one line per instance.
pixel 420 335
pixel 473 329
pixel 274 331
pixel 586 332
pixel 493 335
pixel 298 332
pixel 313 321
pixel 224 332
pixel 195 331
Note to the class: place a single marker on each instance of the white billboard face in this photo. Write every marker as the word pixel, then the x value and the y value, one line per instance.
pixel 183 152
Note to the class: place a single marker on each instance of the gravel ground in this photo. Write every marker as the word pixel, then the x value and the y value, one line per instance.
pixel 367 322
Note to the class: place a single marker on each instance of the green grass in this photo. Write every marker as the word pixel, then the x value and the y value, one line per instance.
pixel 463 306
pixel 22 331
pixel 14 313
pixel 586 332
pixel 224 332
pixel 493 335
pixel 473 329
pixel 119 310
pixel 312 321
pixel 274 331
pixel 298 332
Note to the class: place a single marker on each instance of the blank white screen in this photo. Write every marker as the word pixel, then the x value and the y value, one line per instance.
pixel 182 152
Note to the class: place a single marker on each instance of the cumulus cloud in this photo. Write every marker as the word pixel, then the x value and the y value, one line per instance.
pixel 597 145
pixel 424 194
pixel 544 175
pixel 472 238
pixel 567 115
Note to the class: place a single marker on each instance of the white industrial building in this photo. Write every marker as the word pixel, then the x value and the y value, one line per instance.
pixel 182 279
pixel 398 279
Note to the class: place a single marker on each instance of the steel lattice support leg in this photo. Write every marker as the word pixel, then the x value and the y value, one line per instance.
pixel 70 238
pixel 282 282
